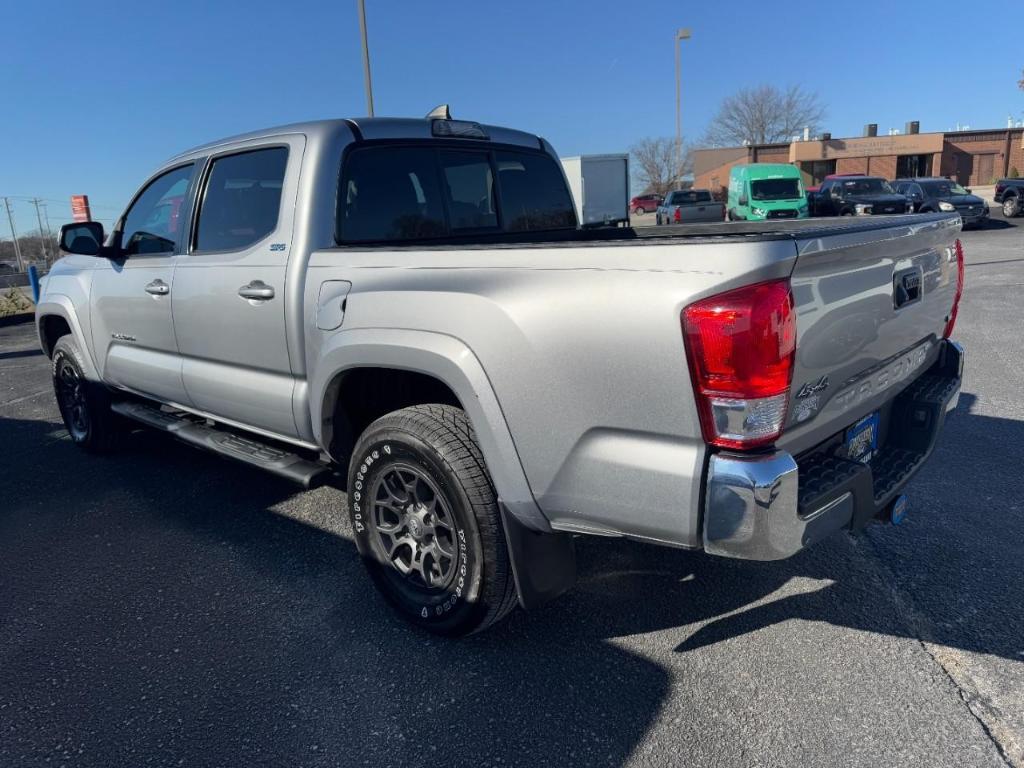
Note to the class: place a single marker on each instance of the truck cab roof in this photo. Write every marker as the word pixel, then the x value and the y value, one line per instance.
pixel 369 129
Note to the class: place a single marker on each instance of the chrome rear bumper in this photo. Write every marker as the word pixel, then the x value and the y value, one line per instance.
pixel 770 506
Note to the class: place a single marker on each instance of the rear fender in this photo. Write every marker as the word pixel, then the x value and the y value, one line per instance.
pixel 543 562
pixel 451 362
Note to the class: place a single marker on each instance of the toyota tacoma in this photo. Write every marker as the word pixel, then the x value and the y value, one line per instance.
pixel 409 309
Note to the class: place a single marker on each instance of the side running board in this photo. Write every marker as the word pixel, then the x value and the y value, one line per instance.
pixel 251 450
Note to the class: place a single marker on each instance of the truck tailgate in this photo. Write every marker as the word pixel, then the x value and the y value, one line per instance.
pixel 871 309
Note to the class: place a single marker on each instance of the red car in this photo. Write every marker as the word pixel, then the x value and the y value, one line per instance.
pixel 645 203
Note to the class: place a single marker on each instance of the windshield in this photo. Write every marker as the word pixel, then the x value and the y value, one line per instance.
pixel 775 189
pixel 867 187
pixel 943 189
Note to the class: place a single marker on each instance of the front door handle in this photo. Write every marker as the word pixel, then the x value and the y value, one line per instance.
pixel 158 288
pixel 258 290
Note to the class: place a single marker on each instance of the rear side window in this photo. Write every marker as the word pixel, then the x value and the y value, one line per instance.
pixel 395 193
pixel 533 193
pixel 391 194
pixel 242 199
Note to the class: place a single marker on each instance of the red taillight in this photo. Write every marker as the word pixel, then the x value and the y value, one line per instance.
pixel 740 346
pixel 678 215
pixel 959 290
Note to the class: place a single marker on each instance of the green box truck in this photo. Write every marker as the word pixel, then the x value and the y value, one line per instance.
pixel 762 191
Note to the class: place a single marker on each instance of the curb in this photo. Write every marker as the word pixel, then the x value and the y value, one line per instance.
pixel 19 319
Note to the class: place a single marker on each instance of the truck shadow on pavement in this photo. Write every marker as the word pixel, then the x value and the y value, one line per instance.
pixel 951 575
pixel 164 604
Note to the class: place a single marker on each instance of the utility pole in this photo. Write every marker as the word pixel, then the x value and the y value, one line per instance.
pixel 366 57
pixel 682 34
pixel 42 234
pixel 14 234
pixel 49 232
pixel 46 218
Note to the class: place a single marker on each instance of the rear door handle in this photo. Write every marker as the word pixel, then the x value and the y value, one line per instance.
pixel 257 290
pixel 158 288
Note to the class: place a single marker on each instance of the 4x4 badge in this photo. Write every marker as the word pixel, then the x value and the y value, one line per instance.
pixel 809 389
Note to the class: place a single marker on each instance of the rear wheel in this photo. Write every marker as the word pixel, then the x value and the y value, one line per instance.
pixel 426 521
pixel 1011 206
pixel 84 405
pixel 639 211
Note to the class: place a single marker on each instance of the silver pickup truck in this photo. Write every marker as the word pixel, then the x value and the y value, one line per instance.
pixel 689 206
pixel 406 307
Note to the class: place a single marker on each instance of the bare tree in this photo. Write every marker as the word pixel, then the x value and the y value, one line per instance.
pixel 765 114
pixel 655 164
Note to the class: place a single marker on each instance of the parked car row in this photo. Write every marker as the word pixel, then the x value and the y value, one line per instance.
pixel 761 191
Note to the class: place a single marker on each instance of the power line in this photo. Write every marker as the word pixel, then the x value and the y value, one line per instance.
pixel 30 198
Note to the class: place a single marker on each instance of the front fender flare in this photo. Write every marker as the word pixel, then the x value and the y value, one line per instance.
pixel 57 304
pixel 449 360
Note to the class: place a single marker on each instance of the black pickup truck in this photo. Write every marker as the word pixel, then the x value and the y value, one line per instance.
pixel 1010 195
pixel 857 196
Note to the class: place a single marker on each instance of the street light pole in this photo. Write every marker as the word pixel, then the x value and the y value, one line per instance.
pixel 366 57
pixel 682 34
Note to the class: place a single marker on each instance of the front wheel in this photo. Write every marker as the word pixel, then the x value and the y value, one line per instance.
pixel 1011 206
pixel 84 405
pixel 426 521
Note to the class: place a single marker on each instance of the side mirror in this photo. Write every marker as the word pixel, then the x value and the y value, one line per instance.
pixel 968 190
pixel 743 200
pixel 82 237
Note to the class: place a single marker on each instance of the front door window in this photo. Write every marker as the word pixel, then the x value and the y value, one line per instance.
pixel 153 222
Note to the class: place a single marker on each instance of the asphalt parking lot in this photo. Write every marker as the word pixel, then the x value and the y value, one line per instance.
pixel 164 607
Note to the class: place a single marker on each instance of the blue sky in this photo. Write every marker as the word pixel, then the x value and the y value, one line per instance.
pixel 96 94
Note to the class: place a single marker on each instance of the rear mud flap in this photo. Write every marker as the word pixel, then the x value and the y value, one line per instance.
pixel 543 564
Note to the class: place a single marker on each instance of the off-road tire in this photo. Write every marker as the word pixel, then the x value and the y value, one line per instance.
pixel 94 428
pixel 437 442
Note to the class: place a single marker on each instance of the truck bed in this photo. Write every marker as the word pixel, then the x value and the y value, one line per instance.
pixel 735 231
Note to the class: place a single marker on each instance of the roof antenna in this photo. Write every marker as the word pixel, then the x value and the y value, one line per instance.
pixel 440 112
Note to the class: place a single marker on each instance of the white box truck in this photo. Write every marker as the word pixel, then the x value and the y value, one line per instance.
pixel 600 188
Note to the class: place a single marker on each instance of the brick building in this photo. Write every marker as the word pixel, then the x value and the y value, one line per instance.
pixel 970 157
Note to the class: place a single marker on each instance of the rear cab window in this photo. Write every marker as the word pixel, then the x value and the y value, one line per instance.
pixel 432 191
pixel 690 197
